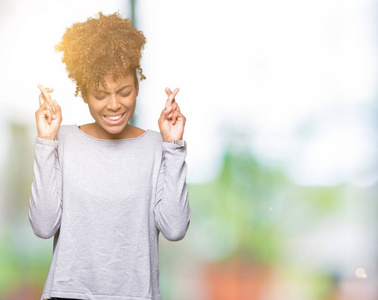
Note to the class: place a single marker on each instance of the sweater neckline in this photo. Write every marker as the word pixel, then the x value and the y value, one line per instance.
pixel 109 140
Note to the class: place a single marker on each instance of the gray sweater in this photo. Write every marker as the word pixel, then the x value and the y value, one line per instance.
pixel 105 202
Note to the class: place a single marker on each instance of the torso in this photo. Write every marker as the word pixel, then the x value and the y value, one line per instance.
pixel 109 191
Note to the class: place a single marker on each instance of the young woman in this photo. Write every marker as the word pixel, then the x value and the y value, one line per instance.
pixel 106 190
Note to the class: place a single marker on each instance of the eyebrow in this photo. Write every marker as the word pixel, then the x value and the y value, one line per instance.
pixel 129 85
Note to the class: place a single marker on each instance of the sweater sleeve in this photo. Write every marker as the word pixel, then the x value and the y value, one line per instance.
pixel 172 212
pixel 45 205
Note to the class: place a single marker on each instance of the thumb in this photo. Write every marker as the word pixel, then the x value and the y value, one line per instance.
pixel 162 117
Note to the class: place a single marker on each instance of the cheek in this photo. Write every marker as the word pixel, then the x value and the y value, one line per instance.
pixel 130 103
pixel 93 109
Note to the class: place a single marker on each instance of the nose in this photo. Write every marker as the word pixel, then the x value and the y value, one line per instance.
pixel 113 103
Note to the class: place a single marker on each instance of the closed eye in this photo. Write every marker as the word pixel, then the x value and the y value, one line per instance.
pixel 124 94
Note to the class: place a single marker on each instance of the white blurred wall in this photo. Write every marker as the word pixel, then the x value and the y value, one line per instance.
pixel 298 77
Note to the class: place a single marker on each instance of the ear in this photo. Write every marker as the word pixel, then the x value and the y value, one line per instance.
pixel 84 98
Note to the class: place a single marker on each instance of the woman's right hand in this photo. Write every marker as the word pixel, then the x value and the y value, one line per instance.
pixel 48 116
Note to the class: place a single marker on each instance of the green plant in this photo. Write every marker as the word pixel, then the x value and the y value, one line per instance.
pixel 247 211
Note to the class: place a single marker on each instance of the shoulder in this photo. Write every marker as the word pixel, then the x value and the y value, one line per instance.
pixel 65 130
pixel 149 134
pixel 154 137
pixel 136 132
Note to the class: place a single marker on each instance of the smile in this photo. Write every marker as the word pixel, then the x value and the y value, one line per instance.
pixel 115 117
pixel 114 120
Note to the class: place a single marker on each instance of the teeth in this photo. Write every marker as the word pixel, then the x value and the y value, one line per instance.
pixel 114 118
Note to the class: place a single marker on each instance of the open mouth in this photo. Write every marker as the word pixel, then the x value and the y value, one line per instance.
pixel 114 119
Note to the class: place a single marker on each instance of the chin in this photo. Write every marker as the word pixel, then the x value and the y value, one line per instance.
pixel 112 129
pixel 115 129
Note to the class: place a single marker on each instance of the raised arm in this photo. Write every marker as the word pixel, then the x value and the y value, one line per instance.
pixel 45 207
pixel 172 212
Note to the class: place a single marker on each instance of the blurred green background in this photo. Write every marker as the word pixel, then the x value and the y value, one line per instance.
pixel 281 106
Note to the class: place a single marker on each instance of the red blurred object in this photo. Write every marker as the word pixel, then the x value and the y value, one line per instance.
pixel 25 292
pixel 236 280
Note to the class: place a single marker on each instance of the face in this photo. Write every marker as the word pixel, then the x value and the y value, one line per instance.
pixel 112 106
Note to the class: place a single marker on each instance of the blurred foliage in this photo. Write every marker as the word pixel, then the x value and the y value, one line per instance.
pixel 19 171
pixel 248 209
pixel 24 258
pixel 20 269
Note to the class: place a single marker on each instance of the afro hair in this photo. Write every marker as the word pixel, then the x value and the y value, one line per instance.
pixel 101 46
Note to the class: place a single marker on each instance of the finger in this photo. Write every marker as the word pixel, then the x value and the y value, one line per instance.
pixel 180 117
pixel 175 106
pixel 168 112
pixel 51 108
pixel 49 117
pixel 47 105
pixel 49 90
pixel 45 93
pixel 41 100
pixel 162 117
pixel 46 114
pixel 169 100
pixel 174 117
pixel 172 107
pixel 168 91
pixel 58 110
pixel 174 94
pixel 45 98
pixel 171 96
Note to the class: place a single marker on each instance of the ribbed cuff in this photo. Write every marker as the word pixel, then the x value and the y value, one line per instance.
pixel 174 153
pixel 46 142
pixel 168 145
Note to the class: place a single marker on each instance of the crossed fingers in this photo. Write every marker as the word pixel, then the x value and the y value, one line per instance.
pixel 45 100
pixel 172 110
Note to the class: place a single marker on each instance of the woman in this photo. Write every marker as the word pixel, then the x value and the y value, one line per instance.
pixel 106 190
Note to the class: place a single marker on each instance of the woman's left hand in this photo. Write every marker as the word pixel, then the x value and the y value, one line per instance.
pixel 171 121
